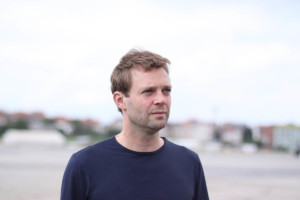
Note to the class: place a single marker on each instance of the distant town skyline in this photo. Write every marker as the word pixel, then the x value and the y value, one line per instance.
pixel 233 61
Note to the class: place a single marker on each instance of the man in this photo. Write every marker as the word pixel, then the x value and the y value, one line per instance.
pixel 137 164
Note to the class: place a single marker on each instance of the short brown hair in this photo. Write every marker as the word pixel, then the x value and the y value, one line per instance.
pixel 121 76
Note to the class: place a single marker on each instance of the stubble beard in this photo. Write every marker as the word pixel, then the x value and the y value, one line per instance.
pixel 151 124
pixel 157 124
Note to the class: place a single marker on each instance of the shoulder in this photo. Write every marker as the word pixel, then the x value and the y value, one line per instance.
pixel 94 150
pixel 83 163
pixel 181 151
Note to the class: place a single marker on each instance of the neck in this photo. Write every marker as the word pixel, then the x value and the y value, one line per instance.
pixel 140 142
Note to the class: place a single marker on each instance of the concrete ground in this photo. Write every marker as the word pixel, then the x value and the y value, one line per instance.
pixel 36 173
pixel 238 176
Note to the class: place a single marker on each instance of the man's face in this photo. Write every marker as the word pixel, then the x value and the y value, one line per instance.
pixel 149 100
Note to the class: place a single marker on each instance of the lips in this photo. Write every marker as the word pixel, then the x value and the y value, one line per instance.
pixel 159 112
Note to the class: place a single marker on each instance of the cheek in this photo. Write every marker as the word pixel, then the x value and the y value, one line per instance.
pixel 140 106
pixel 147 105
pixel 168 101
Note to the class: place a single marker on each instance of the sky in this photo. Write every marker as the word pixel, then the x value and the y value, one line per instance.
pixel 231 61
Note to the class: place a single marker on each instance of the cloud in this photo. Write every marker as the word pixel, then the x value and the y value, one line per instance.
pixel 57 56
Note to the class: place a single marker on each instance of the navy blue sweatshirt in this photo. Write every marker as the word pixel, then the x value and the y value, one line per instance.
pixel 109 171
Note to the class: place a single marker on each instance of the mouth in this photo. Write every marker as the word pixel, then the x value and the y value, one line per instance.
pixel 159 113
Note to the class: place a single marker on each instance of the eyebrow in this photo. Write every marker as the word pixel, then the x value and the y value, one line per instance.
pixel 153 87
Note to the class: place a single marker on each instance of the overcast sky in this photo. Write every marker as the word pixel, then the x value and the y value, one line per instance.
pixel 236 61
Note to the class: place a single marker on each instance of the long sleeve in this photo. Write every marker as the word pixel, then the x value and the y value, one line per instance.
pixel 75 181
pixel 201 192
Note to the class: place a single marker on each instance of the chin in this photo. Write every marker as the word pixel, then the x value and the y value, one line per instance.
pixel 158 126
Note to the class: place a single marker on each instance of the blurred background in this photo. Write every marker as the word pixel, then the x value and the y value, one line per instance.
pixel 235 96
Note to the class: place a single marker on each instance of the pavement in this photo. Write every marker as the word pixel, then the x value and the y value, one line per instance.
pixel 239 176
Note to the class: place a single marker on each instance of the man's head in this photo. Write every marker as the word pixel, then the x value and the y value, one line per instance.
pixel 121 78
pixel 141 89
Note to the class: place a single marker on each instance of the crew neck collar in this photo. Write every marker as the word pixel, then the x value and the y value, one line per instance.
pixel 141 152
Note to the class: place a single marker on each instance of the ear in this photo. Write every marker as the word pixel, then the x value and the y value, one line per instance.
pixel 119 100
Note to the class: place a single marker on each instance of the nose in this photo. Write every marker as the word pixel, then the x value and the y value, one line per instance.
pixel 160 98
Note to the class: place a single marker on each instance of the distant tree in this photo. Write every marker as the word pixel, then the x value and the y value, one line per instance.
pixel 247 135
pixel 217 135
pixel 112 131
pixel 78 128
pixel 82 129
pixel 19 124
pixel 3 129
pixel 48 121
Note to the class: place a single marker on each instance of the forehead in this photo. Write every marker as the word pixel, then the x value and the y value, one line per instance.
pixel 155 76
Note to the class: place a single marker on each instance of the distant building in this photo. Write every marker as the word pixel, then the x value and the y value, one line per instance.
pixel 232 134
pixel 64 125
pixel 116 124
pixel 266 136
pixel 14 137
pixel 93 124
pixel 287 137
pixel 3 118
pixel 38 121
pixel 35 120
pixel 192 132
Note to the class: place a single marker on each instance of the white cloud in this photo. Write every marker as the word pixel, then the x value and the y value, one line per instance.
pixel 58 55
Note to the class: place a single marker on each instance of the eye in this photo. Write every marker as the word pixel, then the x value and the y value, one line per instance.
pixel 167 90
pixel 148 91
